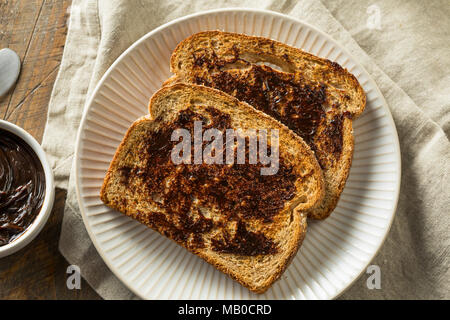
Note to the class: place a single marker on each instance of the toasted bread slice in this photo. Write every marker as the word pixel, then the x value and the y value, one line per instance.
pixel 247 225
pixel 314 97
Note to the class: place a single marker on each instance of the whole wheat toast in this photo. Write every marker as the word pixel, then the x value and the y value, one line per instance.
pixel 247 225
pixel 314 97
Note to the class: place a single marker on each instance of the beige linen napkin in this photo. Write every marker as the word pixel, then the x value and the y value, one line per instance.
pixel 403 46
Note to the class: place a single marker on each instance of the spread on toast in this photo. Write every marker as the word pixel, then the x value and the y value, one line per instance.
pixel 247 224
pixel 314 97
pixel 238 191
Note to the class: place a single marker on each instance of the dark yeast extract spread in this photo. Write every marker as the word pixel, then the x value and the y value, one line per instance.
pixel 284 96
pixel 22 186
pixel 187 193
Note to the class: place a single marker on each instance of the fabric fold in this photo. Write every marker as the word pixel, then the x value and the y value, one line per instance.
pixel 414 259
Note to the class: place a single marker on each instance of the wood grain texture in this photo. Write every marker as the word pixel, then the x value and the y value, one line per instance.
pixel 36 30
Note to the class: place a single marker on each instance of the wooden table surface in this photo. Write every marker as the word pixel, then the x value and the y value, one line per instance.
pixel 36 30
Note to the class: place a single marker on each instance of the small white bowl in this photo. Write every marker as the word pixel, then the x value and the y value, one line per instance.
pixel 40 220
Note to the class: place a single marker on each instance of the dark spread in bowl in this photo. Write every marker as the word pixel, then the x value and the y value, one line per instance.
pixel 22 186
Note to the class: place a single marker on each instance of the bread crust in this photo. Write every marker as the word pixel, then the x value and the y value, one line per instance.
pixel 343 85
pixel 166 103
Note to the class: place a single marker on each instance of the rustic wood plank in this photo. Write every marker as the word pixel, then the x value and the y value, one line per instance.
pixel 27 106
pixel 36 30
pixel 17 22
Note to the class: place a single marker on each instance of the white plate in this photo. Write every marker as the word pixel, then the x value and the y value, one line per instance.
pixel 335 252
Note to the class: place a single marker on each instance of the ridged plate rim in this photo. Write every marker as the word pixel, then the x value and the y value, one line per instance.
pixel 145 38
